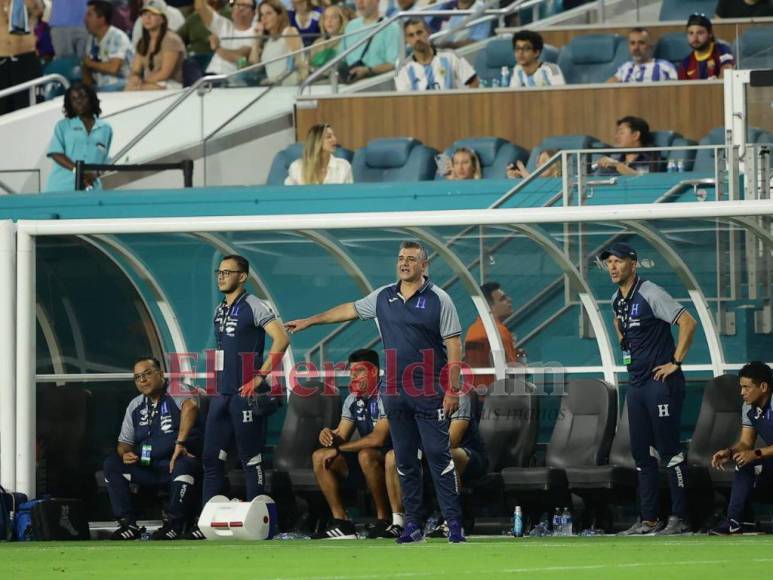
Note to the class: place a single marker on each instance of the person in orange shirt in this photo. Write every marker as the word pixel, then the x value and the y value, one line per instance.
pixel 477 350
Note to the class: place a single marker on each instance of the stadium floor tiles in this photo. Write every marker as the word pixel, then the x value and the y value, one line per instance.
pixel 482 557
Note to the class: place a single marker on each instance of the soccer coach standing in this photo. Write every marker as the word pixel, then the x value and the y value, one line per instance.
pixel 644 313
pixel 416 320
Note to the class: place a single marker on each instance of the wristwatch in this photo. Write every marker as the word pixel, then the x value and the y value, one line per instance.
pixel 758 452
pixel 180 443
pixel 676 362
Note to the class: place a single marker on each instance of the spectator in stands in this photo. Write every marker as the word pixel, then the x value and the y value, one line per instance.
pixel 744 8
pixel 305 18
pixel 376 56
pixel 709 58
pixel 632 132
pixel 428 69
pixel 458 35
pixel 477 349
pixel 467 452
pixel 464 165
pixel 40 13
pixel 195 34
pixel 68 32
pixel 362 410
pixel 157 445
pixel 158 63
pixel 18 61
pixel 110 52
pixel 275 38
pixel 642 68
pixel 174 18
pixel 520 170
pixel 231 38
pixel 328 45
pixel 529 71
pixel 80 136
pixel 319 163
pixel 753 465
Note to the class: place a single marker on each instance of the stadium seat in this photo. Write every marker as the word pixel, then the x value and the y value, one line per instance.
pixel 582 436
pixel 559 143
pixel 673 47
pixel 495 154
pixel 681 9
pixel 394 159
pixel 498 53
pixel 592 58
pixel 283 160
pixel 704 160
pixel 754 49
pixel 69 67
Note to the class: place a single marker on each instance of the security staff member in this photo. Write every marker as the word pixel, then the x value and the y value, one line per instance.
pixel 156 447
pixel 420 330
pixel 644 313
pixel 753 466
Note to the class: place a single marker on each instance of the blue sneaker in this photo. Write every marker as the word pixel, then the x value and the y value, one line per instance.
pixel 412 534
pixel 455 532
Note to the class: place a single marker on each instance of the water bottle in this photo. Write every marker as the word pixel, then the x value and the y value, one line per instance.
pixel 680 166
pixel 494 83
pixel 566 523
pixel 557 522
pixel 671 167
pixel 517 522
pixel 504 77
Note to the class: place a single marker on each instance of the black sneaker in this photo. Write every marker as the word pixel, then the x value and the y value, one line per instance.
pixel 674 527
pixel 729 527
pixel 641 528
pixel 338 530
pixel 127 531
pixel 379 530
pixel 393 531
pixel 169 531
pixel 194 533
pixel 439 531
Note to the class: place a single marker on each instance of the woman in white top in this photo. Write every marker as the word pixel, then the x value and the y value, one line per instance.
pixel 319 163
pixel 275 38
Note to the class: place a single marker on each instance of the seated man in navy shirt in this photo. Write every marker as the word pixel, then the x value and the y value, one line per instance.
pixel 753 466
pixel 631 132
pixel 362 410
pixel 156 447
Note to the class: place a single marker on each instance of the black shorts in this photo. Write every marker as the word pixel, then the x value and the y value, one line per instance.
pixel 477 466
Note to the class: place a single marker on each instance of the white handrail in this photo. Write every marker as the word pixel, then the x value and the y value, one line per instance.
pixel 33 84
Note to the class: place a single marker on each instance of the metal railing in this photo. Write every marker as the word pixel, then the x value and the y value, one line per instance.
pixel 33 84
pixel 81 167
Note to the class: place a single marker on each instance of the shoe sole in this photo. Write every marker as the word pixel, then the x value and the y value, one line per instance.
pixel 346 537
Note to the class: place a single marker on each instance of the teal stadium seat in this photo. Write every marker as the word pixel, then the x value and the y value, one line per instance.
pixel 394 159
pixel 681 9
pixel 561 142
pixel 283 159
pixel 498 53
pixel 704 160
pixel 69 67
pixel 754 48
pixel 673 47
pixel 592 58
pixel 494 153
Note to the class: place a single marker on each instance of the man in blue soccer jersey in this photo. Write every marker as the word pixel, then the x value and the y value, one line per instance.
pixel 238 412
pixel 362 410
pixel 156 447
pixel 420 331
pixel 753 466
pixel 644 313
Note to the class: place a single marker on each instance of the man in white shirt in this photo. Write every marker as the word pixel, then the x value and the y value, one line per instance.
pixel 232 39
pixel 642 68
pixel 529 71
pixel 428 69
pixel 109 52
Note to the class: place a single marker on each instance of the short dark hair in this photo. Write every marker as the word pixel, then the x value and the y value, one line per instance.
pixel 103 8
pixel 488 290
pixel 758 372
pixel 151 359
pixel 638 29
pixel 529 36
pixel 413 245
pixel 69 112
pixel 241 261
pixel 414 22
pixel 367 355
pixel 640 125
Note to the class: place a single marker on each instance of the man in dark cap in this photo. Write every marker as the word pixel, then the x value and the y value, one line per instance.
pixel 644 313
pixel 709 58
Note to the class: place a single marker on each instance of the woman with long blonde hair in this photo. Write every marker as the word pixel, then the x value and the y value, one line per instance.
pixel 464 165
pixel 319 163
pixel 328 45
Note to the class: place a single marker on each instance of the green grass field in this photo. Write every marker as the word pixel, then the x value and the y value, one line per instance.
pixel 690 557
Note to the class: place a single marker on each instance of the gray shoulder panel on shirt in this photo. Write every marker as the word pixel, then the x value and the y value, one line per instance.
pixel 745 421
pixel 663 305
pixel 345 409
pixel 262 312
pixel 449 318
pixel 127 427
pixel 366 306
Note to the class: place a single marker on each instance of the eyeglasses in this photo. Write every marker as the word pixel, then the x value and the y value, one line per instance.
pixel 524 48
pixel 146 375
pixel 244 6
pixel 226 273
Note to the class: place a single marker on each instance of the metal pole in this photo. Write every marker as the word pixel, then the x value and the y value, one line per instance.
pixel 187 167
pixel 25 364
pixel 7 355
pixel 33 99
pixel 79 184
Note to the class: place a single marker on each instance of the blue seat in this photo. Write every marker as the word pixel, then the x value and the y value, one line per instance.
pixel 754 48
pixel 495 154
pixel 681 9
pixel 498 53
pixel 704 160
pixel 562 142
pixel 283 159
pixel 673 47
pixel 394 159
pixel 69 67
pixel 674 139
pixel 592 58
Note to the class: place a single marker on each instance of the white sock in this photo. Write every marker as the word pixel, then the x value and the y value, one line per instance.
pixel 397 520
